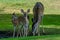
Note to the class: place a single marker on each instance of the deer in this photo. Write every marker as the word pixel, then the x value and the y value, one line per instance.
pixel 14 22
pixel 22 22
pixel 38 10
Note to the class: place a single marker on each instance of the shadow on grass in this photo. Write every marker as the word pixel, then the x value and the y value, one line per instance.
pixel 51 19
pixel 47 20
pixel 48 31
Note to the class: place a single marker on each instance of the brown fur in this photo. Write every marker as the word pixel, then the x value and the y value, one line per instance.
pixel 38 13
pixel 22 22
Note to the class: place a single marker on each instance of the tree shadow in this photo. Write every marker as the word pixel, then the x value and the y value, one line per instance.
pixel 51 19
pixel 50 31
pixel 47 20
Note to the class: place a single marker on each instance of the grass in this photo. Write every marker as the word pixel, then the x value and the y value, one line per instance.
pixel 46 37
pixel 9 6
pixel 51 21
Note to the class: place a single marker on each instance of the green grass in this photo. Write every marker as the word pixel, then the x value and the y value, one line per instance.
pixel 51 23
pixel 46 37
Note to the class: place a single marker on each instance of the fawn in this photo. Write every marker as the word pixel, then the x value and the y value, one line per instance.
pixel 15 22
pixel 22 22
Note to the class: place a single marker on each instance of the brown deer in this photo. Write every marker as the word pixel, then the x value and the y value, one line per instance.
pixel 38 15
pixel 22 22
pixel 15 22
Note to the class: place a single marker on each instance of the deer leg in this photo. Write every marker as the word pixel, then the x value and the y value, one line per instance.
pixel 14 31
pixel 26 31
pixel 19 31
pixel 38 31
pixel 23 30
pixel 26 28
pixel 36 28
pixel 34 31
pixel 39 21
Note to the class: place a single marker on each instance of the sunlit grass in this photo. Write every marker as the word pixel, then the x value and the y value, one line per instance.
pixel 10 6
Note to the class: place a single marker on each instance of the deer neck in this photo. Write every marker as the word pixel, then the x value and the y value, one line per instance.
pixel 26 19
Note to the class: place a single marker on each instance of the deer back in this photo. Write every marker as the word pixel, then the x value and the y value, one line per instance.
pixel 21 19
pixel 38 10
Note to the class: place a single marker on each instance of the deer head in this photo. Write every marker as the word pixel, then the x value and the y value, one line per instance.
pixel 25 14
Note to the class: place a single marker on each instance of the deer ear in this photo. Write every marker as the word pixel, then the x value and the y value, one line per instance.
pixel 28 10
pixel 22 10
pixel 13 13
